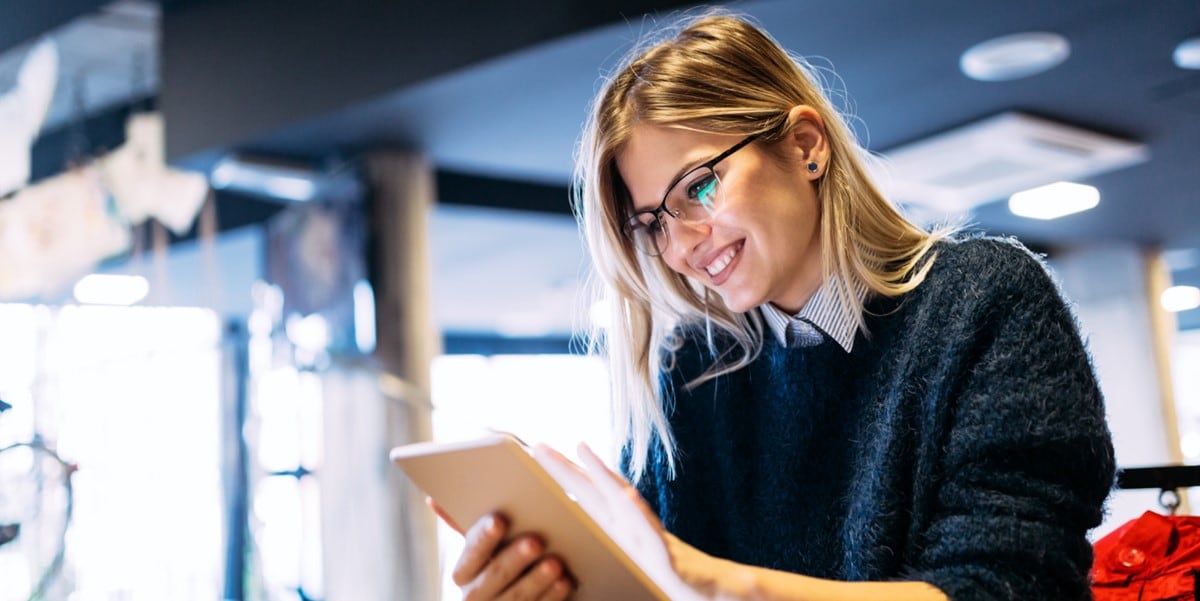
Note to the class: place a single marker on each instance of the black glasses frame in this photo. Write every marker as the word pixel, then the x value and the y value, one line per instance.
pixel 633 222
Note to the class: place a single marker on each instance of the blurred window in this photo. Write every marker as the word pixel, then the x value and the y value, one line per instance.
pixel 560 400
pixel 132 396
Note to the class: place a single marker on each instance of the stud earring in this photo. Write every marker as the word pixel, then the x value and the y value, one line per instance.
pixel 813 166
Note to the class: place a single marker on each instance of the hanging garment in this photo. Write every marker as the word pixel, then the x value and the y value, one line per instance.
pixel 1152 558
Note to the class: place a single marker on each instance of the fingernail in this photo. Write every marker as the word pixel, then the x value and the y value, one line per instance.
pixel 563 585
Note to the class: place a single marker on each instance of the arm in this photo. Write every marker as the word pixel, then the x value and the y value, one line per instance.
pixel 722 579
pixel 1023 456
pixel 684 572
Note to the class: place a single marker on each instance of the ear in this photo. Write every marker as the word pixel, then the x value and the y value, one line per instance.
pixel 806 134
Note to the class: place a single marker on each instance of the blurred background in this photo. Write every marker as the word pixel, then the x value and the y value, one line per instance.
pixel 248 246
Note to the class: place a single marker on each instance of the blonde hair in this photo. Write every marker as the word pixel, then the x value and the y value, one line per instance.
pixel 718 74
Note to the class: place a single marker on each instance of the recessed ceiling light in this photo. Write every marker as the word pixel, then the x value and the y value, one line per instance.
pixel 1014 56
pixel 1054 200
pixel 1180 298
pixel 1187 54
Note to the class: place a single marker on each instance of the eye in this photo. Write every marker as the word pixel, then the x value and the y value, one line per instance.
pixel 646 221
pixel 655 227
pixel 703 189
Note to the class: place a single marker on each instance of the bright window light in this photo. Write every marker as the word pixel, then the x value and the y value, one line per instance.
pixel 364 316
pixel 1180 298
pixel 282 182
pixel 1054 200
pixel 601 313
pixel 560 400
pixel 135 399
pixel 108 289
pixel 310 333
pixel 290 188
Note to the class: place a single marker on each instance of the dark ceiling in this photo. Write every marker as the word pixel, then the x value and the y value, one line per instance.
pixel 508 107
pixel 498 90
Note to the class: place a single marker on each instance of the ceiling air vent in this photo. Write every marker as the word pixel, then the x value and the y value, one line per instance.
pixel 956 171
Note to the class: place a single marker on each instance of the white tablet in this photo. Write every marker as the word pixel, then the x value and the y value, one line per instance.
pixel 496 474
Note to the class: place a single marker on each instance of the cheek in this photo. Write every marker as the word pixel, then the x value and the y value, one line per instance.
pixel 675 262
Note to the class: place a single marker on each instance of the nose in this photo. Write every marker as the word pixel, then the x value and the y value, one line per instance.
pixel 683 237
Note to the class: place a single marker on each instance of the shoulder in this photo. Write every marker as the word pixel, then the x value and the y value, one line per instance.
pixel 987 254
pixel 980 280
pixel 976 264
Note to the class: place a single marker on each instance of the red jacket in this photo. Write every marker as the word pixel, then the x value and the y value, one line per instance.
pixel 1152 558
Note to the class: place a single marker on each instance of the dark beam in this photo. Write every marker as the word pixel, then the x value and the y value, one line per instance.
pixel 233 70
pixel 24 21
pixel 79 142
pixel 488 344
pixel 480 191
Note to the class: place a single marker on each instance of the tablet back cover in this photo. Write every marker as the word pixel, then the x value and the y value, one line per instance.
pixel 474 478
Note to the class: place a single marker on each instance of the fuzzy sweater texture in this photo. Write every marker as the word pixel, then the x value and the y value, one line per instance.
pixel 962 442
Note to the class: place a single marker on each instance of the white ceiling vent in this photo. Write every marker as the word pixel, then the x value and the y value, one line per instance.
pixel 956 171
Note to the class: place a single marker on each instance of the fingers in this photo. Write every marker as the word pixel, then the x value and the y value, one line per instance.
pixel 611 484
pixel 516 574
pixel 560 589
pixel 595 464
pixel 480 543
pixel 572 479
pixel 503 571
pixel 486 570
pixel 624 500
pixel 441 513
pixel 545 580
pixel 568 474
pixel 589 457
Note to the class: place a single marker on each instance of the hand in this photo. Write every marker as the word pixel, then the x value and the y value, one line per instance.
pixel 681 571
pixel 516 571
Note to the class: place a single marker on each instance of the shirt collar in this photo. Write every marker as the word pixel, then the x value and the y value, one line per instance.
pixel 823 311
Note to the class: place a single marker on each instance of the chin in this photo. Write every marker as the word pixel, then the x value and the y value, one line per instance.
pixel 740 303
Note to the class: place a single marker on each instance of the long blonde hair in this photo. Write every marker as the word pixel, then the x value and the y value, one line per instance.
pixel 719 74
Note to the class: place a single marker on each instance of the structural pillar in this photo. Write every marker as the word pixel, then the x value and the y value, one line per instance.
pixel 401 198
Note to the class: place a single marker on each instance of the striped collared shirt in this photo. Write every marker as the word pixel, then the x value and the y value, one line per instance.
pixel 821 316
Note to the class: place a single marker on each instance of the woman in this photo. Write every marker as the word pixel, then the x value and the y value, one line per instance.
pixel 820 399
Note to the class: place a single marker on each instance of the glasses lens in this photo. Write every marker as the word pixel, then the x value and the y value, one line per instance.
pixel 696 197
pixel 647 232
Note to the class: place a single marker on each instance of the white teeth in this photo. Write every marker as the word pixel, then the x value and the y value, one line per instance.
pixel 721 262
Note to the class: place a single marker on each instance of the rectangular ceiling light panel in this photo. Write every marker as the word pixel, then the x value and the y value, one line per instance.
pixel 956 171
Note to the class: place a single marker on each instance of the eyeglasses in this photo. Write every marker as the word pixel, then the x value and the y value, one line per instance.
pixel 691 198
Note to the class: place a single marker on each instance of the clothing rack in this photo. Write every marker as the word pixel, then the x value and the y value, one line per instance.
pixel 1166 477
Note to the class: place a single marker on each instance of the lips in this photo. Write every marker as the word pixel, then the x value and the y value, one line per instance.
pixel 721 265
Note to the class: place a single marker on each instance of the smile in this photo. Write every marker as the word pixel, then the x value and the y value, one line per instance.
pixel 723 260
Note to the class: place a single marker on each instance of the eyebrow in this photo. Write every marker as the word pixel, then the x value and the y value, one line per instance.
pixel 682 173
pixel 679 175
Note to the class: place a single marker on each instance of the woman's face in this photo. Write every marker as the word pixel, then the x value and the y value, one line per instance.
pixel 761 244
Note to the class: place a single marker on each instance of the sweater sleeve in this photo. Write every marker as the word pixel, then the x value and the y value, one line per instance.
pixel 1027 457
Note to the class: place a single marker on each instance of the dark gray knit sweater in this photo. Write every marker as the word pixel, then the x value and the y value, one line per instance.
pixel 962 443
